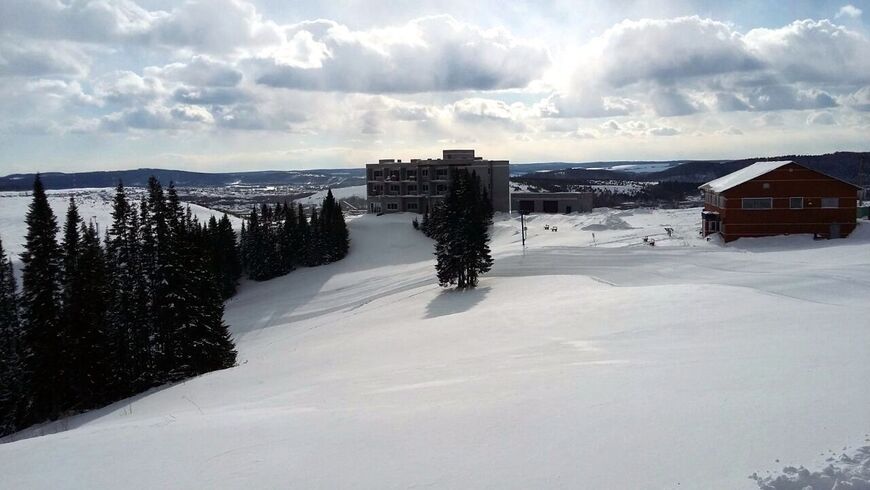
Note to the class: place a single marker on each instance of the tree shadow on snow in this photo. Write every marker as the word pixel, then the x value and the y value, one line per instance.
pixel 452 301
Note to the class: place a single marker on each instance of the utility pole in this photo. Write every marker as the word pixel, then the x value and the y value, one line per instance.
pixel 523 227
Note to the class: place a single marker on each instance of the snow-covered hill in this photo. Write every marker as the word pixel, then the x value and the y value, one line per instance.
pixel 577 363
pixel 95 205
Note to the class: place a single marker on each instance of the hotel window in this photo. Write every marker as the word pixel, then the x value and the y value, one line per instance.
pixel 830 202
pixel 412 206
pixel 394 188
pixel 425 188
pixel 392 206
pixel 757 203
pixel 412 189
pixel 424 172
pixel 441 173
pixel 377 174
pixel 441 189
pixel 796 202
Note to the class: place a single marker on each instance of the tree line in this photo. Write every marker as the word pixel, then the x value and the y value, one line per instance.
pixel 460 227
pixel 97 321
pixel 277 239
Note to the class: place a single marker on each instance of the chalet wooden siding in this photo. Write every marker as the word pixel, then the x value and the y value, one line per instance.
pixel 801 200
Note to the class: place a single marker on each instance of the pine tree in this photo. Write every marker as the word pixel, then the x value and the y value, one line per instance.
pixel 72 323
pixel 288 239
pixel 13 401
pixel 304 241
pixel 123 320
pixel 461 228
pixel 334 231
pixel 40 309
pixel 95 361
pixel 314 250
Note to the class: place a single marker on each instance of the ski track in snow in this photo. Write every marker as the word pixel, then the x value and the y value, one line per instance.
pixel 577 363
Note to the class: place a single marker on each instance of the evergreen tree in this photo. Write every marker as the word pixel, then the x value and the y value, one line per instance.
pixel 91 374
pixel 461 229
pixel 40 309
pixel 334 232
pixel 304 237
pixel 72 323
pixel 12 397
pixel 123 321
pixel 314 249
pixel 288 239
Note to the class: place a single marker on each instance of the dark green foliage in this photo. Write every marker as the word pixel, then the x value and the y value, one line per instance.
pixel 13 400
pixel 40 309
pixel 226 265
pixel 97 325
pixel 460 227
pixel 276 240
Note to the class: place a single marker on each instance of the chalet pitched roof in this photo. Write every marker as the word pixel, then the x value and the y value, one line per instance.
pixel 743 175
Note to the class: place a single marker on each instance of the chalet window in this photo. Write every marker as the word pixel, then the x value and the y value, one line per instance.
pixel 392 206
pixel 757 203
pixel 796 202
pixel 720 201
pixel 830 202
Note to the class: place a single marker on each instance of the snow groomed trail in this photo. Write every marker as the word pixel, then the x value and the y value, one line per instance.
pixel 580 362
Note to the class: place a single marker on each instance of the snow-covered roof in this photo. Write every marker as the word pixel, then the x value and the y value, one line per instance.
pixel 746 174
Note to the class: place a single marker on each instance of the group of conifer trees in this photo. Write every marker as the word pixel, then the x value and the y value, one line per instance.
pixel 460 227
pixel 279 238
pixel 96 321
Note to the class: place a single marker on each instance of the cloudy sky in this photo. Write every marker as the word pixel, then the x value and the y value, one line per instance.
pixel 256 84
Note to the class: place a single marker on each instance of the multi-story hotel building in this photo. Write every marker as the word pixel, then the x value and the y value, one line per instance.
pixel 413 186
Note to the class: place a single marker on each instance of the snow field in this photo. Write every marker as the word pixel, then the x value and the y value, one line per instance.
pixel 575 364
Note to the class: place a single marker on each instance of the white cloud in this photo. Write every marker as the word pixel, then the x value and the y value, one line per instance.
pixel 813 51
pixel 665 50
pixel 663 131
pixel 429 54
pixel 821 118
pixel 849 10
pixel 199 71
pixel 39 59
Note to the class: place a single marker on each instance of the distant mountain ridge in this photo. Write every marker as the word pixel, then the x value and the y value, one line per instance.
pixel 182 178
pixel 842 165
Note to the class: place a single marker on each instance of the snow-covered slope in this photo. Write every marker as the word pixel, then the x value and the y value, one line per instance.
pixel 95 205
pixel 575 364
pixel 339 193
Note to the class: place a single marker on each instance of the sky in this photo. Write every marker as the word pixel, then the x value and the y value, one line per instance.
pixel 229 85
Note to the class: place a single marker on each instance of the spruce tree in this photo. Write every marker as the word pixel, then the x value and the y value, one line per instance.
pixel 461 229
pixel 72 323
pixel 94 362
pixel 303 230
pixel 40 309
pixel 314 251
pixel 333 229
pixel 288 250
pixel 13 401
pixel 123 321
